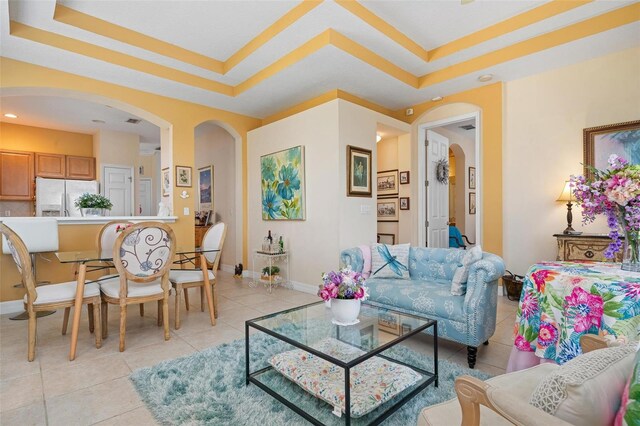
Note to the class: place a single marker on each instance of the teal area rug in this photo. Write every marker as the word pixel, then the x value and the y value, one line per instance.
pixel 208 388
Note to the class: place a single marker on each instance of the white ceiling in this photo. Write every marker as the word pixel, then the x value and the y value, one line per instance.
pixel 219 28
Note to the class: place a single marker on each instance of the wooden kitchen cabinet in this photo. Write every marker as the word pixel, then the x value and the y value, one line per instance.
pixel 50 165
pixel 83 168
pixel 16 175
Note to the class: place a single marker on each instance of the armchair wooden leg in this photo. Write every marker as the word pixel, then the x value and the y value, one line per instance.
pixel 215 298
pixel 177 302
pixel 186 299
pixel 159 313
pixel 471 393
pixel 104 307
pixel 65 320
pixel 31 354
pixel 90 315
pixel 142 309
pixel 202 296
pixel 472 351
pixel 97 320
pixel 165 315
pixel 123 325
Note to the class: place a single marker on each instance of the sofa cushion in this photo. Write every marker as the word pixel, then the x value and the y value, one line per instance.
pixel 434 263
pixel 390 261
pixel 432 298
pixel 586 390
pixel 459 281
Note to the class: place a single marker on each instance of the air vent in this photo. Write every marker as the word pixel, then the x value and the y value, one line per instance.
pixel 468 127
pixel 133 121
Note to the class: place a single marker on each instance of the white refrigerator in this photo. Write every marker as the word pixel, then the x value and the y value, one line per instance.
pixel 56 197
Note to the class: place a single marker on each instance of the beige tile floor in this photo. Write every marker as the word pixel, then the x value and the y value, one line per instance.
pixel 95 389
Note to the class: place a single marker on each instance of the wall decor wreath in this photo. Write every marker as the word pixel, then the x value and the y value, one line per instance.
pixel 442 171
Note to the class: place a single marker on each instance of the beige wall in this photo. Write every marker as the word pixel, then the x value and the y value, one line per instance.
pixel 215 146
pixel 544 118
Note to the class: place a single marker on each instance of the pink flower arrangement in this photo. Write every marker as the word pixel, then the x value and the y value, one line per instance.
pixel 586 308
pixel 120 228
pixel 343 284
pixel 615 193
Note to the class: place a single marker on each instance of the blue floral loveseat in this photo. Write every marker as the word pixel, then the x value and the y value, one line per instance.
pixel 469 319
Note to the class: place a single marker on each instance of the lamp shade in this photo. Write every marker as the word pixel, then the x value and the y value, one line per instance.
pixel 567 192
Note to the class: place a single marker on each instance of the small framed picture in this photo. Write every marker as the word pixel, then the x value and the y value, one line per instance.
pixel 389 322
pixel 387 183
pixel 183 176
pixel 472 178
pixel 404 203
pixel 388 210
pixel 358 172
pixel 166 182
pixel 388 239
pixel 404 178
pixel 205 188
pixel 472 203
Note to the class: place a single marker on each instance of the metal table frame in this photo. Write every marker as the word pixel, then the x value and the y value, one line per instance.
pixel 432 377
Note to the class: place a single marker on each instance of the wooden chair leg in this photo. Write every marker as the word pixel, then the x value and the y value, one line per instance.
pixel 65 320
pixel 165 315
pixel 202 296
pixel 177 301
pixel 215 298
pixel 159 313
pixel 142 309
pixel 123 325
pixel 90 314
pixel 186 298
pixel 97 320
pixel 104 308
pixel 31 354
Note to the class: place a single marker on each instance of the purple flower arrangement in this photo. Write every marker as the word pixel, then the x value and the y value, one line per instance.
pixel 343 284
pixel 615 193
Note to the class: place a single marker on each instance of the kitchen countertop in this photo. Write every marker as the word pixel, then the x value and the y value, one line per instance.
pixel 100 220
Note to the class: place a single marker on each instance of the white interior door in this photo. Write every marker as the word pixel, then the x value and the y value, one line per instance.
pixel 437 193
pixel 118 187
pixel 144 209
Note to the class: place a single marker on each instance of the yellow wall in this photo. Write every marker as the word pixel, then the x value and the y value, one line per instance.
pixel 38 139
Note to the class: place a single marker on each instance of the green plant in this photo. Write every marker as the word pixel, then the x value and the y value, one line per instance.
pixel 93 201
pixel 274 270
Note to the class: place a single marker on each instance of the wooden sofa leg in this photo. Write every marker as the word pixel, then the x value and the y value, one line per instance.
pixel 471 356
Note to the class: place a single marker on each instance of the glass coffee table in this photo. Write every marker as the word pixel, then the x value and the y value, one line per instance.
pixel 362 372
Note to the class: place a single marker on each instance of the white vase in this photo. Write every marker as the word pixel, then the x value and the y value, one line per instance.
pixel 345 311
pixel 91 212
pixel 327 304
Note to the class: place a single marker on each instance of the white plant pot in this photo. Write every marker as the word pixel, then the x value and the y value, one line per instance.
pixel 327 304
pixel 91 212
pixel 345 311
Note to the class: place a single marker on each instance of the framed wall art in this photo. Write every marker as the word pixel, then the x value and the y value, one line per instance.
pixel 600 142
pixel 404 178
pixel 472 178
pixel 404 203
pixel 387 210
pixel 387 183
pixel 183 176
pixel 358 172
pixel 205 188
pixel 388 239
pixel 282 184
pixel 166 182
pixel 472 203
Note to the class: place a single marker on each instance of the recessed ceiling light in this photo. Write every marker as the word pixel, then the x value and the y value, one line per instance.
pixel 485 77
pixel 99 121
pixel 378 137
pixel 9 115
pixel 437 99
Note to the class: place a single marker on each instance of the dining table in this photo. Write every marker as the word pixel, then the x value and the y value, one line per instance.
pixel 93 260
pixel 561 301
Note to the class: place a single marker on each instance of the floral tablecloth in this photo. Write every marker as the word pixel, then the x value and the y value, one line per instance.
pixel 561 301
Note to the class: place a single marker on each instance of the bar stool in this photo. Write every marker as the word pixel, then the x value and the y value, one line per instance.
pixel 40 235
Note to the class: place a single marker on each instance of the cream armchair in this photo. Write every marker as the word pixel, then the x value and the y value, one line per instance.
pixel 501 400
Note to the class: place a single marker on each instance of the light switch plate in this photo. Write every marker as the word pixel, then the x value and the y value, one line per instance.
pixel 186 211
pixel 365 209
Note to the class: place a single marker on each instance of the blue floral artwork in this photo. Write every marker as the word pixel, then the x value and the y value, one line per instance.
pixel 282 177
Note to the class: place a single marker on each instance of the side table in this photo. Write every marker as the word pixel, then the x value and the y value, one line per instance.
pixel 270 260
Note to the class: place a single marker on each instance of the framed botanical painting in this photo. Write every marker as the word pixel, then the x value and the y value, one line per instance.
pixel 472 178
pixel 404 178
pixel 472 203
pixel 388 239
pixel 166 182
pixel 205 188
pixel 600 142
pixel 183 176
pixel 389 323
pixel 388 210
pixel 282 184
pixel 387 183
pixel 404 203
pixel 358 172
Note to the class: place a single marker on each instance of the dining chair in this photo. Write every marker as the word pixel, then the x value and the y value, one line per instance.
pixel 142 255
pixel 48 297
pixel 185 279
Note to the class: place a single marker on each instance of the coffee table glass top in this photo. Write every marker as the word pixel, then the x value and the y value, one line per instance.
pixel 308 325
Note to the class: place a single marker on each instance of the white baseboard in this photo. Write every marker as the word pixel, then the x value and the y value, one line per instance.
pixel 11 307
pixel 294 285
pixel 228 268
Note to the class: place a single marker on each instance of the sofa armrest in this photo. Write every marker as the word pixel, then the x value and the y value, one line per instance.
pixel 352 257
pixel 472 392
pixel 491 265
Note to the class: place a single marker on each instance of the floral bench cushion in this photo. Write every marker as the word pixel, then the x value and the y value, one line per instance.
pixel 373 382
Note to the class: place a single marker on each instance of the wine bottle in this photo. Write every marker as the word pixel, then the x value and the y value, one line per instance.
pixel 270 238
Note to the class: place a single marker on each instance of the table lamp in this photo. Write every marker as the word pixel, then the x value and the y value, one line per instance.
pixel 567 195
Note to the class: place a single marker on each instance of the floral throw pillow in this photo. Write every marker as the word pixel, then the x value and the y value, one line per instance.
pixel 390 261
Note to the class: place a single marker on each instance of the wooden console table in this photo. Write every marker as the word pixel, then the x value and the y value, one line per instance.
pixel 584 247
